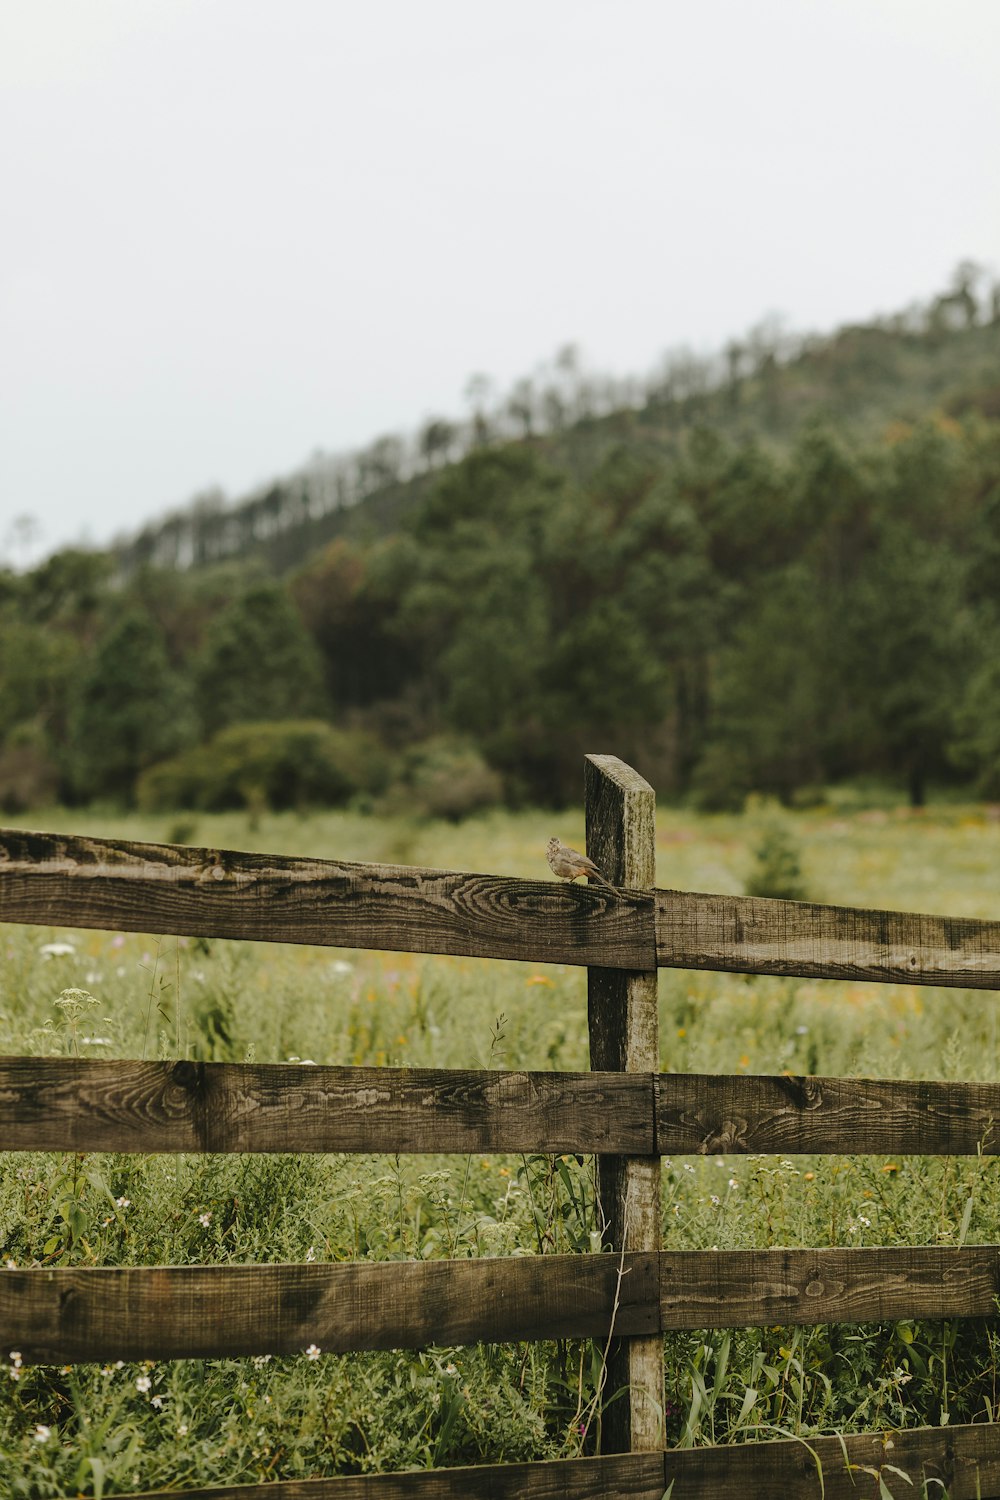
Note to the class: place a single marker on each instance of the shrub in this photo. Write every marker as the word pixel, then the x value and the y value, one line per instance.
pixel 288 763
pixel 29 776
pixel 777 865
pixel 445 778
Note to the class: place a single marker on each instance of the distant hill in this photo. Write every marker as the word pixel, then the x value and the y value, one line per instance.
pixel 765 572
pixel 940 358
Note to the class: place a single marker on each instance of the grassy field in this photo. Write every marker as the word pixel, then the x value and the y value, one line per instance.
pixel 101 1430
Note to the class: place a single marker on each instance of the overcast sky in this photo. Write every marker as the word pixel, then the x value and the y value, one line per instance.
pixel 236 231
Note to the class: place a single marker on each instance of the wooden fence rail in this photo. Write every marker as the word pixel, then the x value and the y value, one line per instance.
pixel 188 1312
pixel 624 1112
pixel 90 1104
pixel 964 1458
pixel 71 880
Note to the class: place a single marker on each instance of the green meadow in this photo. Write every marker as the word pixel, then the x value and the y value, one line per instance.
pixel 104 1430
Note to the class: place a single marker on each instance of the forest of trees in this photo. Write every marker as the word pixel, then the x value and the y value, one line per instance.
pixel 773 581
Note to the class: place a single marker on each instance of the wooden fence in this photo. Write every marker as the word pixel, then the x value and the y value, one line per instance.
pixel 624 1111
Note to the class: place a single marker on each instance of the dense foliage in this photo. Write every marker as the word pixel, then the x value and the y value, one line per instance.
pixel 738 589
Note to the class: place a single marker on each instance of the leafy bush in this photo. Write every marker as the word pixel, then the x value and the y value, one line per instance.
pixel 29 776
pixel 777 867
pixel 444 778
pixel 289 763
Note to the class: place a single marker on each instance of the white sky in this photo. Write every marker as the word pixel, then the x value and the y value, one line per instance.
pixel 234 231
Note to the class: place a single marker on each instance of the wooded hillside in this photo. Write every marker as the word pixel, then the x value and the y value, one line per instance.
pixel 763 573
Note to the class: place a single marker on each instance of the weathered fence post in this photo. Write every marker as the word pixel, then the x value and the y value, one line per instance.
pixel 621 838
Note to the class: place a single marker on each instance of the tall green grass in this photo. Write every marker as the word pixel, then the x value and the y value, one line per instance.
pixel 103 1430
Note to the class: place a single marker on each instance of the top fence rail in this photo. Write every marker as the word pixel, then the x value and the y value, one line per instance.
pixel 70 880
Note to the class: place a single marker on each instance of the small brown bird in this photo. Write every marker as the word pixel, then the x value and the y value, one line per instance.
pixel 568 863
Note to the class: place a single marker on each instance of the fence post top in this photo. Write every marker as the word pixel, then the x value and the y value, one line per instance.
pixel 622 774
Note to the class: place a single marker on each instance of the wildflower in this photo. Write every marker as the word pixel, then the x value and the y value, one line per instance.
pixel 810 1176
pixel 890 1166
pixel 260 1360
pixel 733 1183
pixel 866 1222
pixel 313 1352
pixel 123 1202
pixel 142 1383
pixel 716 1200
pixel 310 1254
pixel 118 941
pixel 451 1369
pixel 96 1041
pixel 182 1430
pixel 205 1219
pixel 42 1433
pixel 15 1358
pixel 56 950
pixel 688 1167
pixel 156 1401
pixel 11 1263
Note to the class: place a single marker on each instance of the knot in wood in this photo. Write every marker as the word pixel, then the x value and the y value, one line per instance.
pixel 188 1075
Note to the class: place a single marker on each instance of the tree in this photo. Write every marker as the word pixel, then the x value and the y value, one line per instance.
pixel 258 662
pixel 348 605
pixel 129 709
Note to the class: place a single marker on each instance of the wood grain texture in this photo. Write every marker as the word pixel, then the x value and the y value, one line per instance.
pixel 761 1288
pixel 965 1459
pixel 83 1104
pixel 753 935
pixel 710 1114
pixel 89 1104
pixel 622 1018
pixel 626 1476
pixel 180 1312
pixel 63 880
